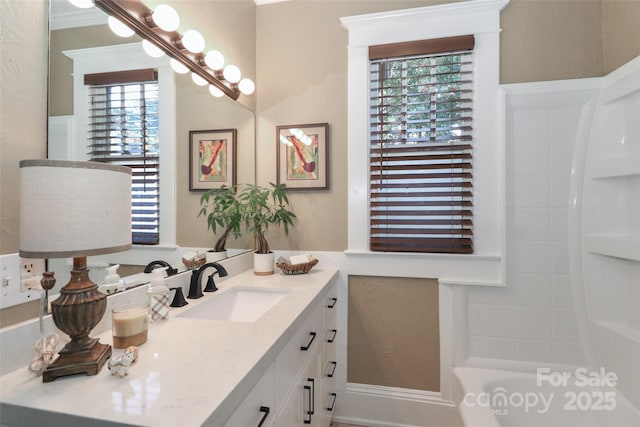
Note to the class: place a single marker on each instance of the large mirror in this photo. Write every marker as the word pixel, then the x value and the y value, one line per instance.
pixel 74 31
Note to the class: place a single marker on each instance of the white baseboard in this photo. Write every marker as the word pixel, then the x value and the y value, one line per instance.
pixel 378 406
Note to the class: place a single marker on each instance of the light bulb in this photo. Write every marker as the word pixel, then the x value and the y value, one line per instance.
pixel 83 4
pixel 198 80
pixel 193 41
pixel 151 49
pixel 119 28
pixel 246 86
pixel 231 73
pixel 214 60
pixel 215 91
pixel 166 17
pixel 178 67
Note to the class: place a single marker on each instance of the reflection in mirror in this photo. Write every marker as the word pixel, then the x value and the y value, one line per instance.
pixel 191 108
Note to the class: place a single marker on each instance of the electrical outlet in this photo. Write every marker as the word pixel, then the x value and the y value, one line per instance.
pixel 11 291
pixel 31 270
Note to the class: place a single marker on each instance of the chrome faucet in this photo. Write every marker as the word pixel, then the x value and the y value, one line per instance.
pixel 159 263
pixel 195 287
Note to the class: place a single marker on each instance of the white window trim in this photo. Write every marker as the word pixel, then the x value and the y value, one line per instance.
pixel 481 18
pixel 131 57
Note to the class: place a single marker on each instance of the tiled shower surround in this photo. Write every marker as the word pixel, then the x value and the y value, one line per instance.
pixel 532 319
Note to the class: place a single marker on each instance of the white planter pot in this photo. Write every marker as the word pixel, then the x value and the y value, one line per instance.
pixel 213 256
pixel 263 263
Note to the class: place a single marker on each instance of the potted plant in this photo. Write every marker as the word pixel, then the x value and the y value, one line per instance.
pixel 261 208
pixel 223 211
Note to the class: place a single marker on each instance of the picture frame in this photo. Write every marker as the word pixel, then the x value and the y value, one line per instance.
pixel 212 159
pixel 303 156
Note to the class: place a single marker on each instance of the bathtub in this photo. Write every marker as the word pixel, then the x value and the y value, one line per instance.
pixel 562 398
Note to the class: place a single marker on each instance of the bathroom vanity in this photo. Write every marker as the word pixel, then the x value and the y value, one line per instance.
pixel 268 359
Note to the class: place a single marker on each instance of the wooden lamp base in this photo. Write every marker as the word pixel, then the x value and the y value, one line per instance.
pixel 88 362
pixel 76 312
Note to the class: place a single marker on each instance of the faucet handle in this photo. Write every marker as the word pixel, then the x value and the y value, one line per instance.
pixel 178 298
pixel 211 285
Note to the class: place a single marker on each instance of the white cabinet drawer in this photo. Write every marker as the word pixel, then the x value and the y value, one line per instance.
pixel 258 408
pixel 294 355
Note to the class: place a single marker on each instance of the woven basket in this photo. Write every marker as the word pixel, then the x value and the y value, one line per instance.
pixel 296 268
pixel 194 262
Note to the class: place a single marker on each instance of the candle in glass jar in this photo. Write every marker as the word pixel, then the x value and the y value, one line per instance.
pixel 130 325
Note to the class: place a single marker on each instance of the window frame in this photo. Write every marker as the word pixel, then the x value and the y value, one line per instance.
pixel 131 57
pixel 482 19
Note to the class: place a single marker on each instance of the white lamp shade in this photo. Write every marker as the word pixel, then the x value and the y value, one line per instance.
pixel 166 17
pixel 73 209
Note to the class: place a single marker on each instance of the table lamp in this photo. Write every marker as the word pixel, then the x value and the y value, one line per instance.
pixel 72 209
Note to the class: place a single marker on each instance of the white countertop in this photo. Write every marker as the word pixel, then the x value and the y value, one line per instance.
pixel 191 372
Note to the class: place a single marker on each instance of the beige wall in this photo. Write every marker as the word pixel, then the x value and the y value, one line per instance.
pixel 23 106
pixel 23 112
pixel 620 32
pixel 550 40
pixel 393 336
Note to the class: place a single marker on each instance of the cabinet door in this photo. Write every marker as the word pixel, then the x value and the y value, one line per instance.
pixel 302 408
pixel 258 408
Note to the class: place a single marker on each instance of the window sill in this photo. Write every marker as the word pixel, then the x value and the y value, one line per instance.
pixel 450 269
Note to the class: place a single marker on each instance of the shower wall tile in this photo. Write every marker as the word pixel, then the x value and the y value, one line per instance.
pixel 531 289
pixel 537 351
pixel 530 126
pixel 568 353
pixel 492 320
pixel 533 323
pixel 564 326
pixel 531 159
pixel 530 223
pixel 498 348
pixel 561 295
pixel 559 224
pixel 531 191
pixel 531 256
pixel 532 319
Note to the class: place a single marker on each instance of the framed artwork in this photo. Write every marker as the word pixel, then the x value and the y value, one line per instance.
pixel 212 159
pixel 303 156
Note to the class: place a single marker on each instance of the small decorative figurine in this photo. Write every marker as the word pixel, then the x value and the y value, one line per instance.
pixel 119 365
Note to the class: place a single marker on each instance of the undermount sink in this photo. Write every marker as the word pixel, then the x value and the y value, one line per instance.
pixel 241 304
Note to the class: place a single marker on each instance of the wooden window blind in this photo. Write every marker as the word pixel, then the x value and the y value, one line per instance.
pixel 421 140
pixel 123 130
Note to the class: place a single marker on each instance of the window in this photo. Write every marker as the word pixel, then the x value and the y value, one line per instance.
pixel 123 130
pixel 420 146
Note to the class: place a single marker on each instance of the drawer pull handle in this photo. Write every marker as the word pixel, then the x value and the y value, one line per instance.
pixel 266 411
pixel 332 339
pixel 306 347
pixel 308 388
pixel 333 371
pixel 312 398
pixel 332 303
pixel 333 402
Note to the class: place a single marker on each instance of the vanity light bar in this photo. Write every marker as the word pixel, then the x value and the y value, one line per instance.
pixel 137 16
